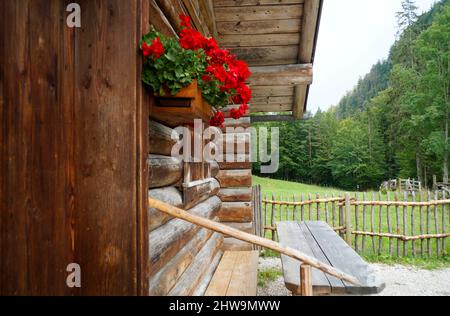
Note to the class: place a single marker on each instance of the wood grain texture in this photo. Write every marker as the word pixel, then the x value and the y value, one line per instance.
pixel 259 27
pixel 170 195
pixel 160 139
pixel 240 212
pixel 72 150
pixel 235 178
pixel 235 194
pixel 236 275
pixel 167 240
pixel 233 3
pixel 243 40
pixel 258 13
pixel 164 171
pixel 233 244
pixel 267 55
pixel 190 279
pixel 165 279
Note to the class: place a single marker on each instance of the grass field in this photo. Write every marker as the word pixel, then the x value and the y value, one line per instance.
pixel 428 218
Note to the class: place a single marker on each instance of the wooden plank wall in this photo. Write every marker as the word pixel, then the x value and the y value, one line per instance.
pixel 235 178
pixel 182 256
pixel 73 163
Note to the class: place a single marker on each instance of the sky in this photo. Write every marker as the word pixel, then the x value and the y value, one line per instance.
pixel 353 36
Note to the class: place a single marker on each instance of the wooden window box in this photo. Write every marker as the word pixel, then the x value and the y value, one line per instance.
pixel 182 108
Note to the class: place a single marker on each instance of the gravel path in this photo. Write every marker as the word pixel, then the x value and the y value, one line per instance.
pixel 400 280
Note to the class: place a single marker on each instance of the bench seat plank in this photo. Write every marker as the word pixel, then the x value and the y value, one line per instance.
pixel 236 275
pixel 318 240
pixel 344 258
pixel 289 234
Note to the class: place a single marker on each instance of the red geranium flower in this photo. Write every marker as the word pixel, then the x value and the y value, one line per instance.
pixel 156 49
pixel 191 39
pixel 217 120
pixel 185 21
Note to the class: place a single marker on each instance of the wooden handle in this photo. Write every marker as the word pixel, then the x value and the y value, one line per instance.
pixel 259 241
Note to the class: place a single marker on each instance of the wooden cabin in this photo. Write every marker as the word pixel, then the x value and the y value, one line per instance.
pixel 81 155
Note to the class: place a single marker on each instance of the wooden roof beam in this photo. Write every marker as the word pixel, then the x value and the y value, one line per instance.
pixel 298 74
pixel 311 14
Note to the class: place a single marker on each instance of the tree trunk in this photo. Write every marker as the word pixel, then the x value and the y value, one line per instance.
pixel 419 168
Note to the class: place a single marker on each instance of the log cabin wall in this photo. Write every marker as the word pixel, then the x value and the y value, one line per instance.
pixel 73 157
pixel 235 178
pixel 182 256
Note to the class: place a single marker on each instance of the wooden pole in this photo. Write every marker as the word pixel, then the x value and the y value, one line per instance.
pixel 388 219
pixel 294 212
pixel 327 216
pixel 306 288
pixel 272 216
pixel 356 223
pixel 444 210
pixel 302 208
pixel 436 225
pixel 310 207
pixel 412 225
pixel 348 220
pixel 372 223
pixel 397 224
pixel 421 226
pixel 364 224
pixel 380 225
pixel 428 225
pixel 333 211
pixel 405 224
pixel 235 233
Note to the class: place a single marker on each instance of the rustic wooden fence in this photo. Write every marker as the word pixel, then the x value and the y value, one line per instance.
pixel 393 224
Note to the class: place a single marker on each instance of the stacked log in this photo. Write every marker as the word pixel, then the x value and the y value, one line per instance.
pixel 182 256
pixel 235 178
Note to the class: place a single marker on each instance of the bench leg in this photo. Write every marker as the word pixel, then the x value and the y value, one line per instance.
pixel 306 280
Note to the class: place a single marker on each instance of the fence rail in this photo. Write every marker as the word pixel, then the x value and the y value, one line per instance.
pixel 395 224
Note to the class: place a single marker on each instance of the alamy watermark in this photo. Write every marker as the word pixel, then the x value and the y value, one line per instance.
pixel 198 145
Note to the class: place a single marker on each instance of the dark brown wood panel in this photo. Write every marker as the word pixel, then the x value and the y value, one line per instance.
pixel 73 148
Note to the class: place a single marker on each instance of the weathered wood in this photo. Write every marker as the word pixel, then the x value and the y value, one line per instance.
pixel 215 168
pixel 236 275
pixel 388 220
pixel 309 30
pixel 271 105
pixel 169 195
pixel 234 3
pixel 294 74
pixel 235 162
pixel 235 195
pixel 234 178
pixel 363 243
pixel 162 281
pixel 421 226
pixel 372 223
pixel 428 224
pixel 233 244
pixel 191 277
pixel 168 239
pixel 380 225
pixel 405 224
pixel 243 40
pixel 348 221
pixel 203 284
pixel 290 234
pixel 245 227
pixel 240 212
pixel 306 281
pixel 223 229
pixel 164 171
pixel 397 224
pixel 208 14
pixel 159 20
pixel 299 105
pixel 199 193
pixel 160 139
pixel 172 10
pixel 413 231
pixel 236 126
pixel 444 210
pixel 356 223
pixel 258 13
pixel 346 259
pixel 259 27
pixel 436 225
pixel 197 19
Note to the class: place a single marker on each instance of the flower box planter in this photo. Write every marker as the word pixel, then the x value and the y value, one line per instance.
pixel 182 108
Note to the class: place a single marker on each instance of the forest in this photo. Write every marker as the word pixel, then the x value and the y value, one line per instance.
pixel 393 124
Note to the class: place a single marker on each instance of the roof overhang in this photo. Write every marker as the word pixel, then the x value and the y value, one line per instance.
pixel 278 40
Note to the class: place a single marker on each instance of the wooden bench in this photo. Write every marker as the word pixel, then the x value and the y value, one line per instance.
pixel 236 275
pixel 318 240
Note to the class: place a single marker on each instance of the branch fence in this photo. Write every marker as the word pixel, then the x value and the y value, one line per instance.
pixel 381 224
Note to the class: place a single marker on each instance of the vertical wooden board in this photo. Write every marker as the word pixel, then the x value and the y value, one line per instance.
pixel 106 147
pixel 36 160
pixel 222 277
pixel 244 279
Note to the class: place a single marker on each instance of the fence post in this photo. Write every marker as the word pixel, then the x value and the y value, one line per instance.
pixel 348 220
